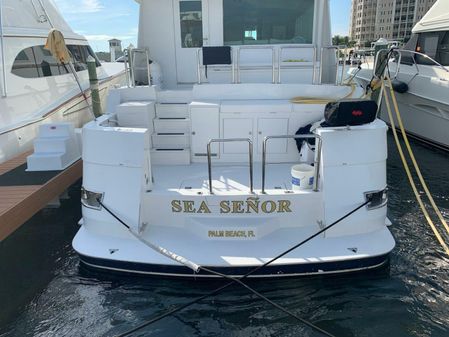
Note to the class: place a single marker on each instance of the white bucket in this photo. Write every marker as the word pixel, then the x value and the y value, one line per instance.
pixel 302 177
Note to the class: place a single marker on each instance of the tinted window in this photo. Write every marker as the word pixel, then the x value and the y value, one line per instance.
pixel 34 62
pixel 430 44
pixel 443 50
pixel 267 21
pixel 191 17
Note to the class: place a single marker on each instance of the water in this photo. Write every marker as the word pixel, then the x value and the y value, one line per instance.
pixel 43 291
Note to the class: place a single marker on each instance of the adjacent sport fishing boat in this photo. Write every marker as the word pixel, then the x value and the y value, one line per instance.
pixel 422 68
pixel 34 87
pixel 220 166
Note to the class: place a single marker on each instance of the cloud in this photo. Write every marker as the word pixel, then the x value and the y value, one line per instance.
pixel 83 6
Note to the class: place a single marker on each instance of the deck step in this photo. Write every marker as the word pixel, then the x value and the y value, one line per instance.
pixel 170 156
pixel 172 125
pixel 170 140
pixel 172 110
pixel 136 114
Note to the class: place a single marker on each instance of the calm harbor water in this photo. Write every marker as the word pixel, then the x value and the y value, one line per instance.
pixel 44 292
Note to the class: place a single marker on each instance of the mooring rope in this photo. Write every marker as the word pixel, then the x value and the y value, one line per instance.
pixel 415 164
pixel 238 280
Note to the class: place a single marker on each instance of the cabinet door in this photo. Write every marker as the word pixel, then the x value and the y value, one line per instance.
pixel 205 126
pixel 272 127
pixel 237 128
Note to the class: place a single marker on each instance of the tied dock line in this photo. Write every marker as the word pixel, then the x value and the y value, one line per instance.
pixel 238 280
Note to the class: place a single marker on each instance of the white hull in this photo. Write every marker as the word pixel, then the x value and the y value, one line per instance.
pixel 230 230
pixel 425 107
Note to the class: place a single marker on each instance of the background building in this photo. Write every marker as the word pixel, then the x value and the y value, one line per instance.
pixel 115 49
pixel 389 19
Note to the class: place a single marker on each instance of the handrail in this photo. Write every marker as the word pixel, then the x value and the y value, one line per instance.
pixel 317 160
pixel 400 51
pixel 228 140
pixel 2 42
pixel 297 47
pixel 273 60
pixel 198 71
pixel 131 53
pixel 337 52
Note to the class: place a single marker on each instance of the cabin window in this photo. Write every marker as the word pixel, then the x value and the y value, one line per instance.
pixel 435 45
pixel 191 18
pixel 268 21
pixel 35 62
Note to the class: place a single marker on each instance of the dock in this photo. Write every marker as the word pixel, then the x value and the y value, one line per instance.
pixel 23 194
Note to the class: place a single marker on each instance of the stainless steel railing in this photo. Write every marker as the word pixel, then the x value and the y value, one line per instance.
pixel 228 140
pixel 129 65
pixel 297 47
pixel 399 52
pixel 338 58
pixel 273 60
pixel 2 48
pixel 317 156
pixel 199 62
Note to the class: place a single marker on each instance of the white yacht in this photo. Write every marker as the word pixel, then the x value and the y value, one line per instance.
pixel 203 171
pixel 34 88
pixel 424 68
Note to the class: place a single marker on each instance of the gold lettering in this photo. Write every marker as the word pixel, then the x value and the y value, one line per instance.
pixel 237 207
pixel 252 203
pixel 251 234
pixel 189 206
pixel 272 206
pixel 176 206
pixel 224 207
pixel 203 208
pixel 284 206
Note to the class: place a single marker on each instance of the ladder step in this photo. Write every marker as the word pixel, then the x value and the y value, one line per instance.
pixel 178 125
pixel 170 156
pixel 172 110
pixel 171 141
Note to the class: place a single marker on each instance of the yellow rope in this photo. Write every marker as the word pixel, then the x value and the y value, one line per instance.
pixel 406 167
pixel 316 100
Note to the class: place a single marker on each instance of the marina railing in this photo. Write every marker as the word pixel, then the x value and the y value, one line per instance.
pixel 317 156
pixel 2 49
pixel 229 140
pixel 280 61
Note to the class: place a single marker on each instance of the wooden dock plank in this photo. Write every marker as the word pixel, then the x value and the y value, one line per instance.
pixel 19 203
pixel 14 162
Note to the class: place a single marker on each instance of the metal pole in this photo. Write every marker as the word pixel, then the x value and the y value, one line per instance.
pixel 273 67
pixel 73 71
pixel 4 85
pixel 147 60
pixel 314 65
pixel 209 166
pixel 198 65
pixel 94 87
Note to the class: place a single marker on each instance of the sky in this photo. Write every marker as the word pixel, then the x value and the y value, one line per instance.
pixel 102 20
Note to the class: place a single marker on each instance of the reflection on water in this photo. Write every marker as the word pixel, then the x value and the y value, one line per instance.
pixel 44 292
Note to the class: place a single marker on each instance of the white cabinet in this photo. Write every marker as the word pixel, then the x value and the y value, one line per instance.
pixel 237 128
pixel 205 126
pixel 272 127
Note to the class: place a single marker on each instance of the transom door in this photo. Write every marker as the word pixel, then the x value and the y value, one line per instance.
pixel 191 33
